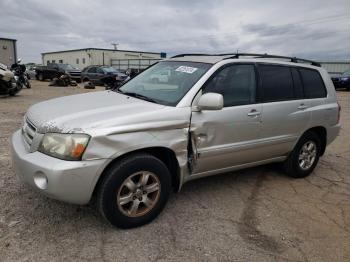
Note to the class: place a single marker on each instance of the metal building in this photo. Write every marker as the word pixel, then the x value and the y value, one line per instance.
pixel 8 51
pixel 335 68
pixel 123 59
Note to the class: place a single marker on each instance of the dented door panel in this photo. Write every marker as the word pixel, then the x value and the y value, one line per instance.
pixel 225 138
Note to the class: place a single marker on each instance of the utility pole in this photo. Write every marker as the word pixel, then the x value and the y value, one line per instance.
pixel 115 46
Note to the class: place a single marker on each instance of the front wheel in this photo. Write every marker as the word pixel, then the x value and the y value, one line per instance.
pixel 134 191
pixel 41 77
pixel 304 158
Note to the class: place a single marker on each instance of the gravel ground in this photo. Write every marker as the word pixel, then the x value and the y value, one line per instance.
pixel 251 215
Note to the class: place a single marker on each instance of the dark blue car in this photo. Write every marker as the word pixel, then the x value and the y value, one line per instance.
pixel 342 81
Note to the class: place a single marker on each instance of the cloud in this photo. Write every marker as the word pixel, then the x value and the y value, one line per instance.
pixel 313 29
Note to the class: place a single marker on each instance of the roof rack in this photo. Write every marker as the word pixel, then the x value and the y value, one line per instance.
pixel 292 59
pixel 238 55
pixel 183 55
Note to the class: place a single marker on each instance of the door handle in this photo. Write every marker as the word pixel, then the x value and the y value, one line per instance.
pixel 302 107
pixel 253 112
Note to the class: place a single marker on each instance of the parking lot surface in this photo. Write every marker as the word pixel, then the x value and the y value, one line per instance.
pixel 256 214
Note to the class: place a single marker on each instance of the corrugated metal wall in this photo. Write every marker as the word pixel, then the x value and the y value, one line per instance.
pixel 7 51
pixel 83 58
pixel 336 68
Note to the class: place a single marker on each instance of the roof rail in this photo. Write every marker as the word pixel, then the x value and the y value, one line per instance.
pixel 292 59
pixel 238 55
pixel 182 55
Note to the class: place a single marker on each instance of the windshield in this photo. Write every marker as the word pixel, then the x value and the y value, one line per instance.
pixel 66 66
pixel 109 70
pixel 166 82
pixel 346 73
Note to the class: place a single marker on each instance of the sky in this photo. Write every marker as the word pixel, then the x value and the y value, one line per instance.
pixel 314 29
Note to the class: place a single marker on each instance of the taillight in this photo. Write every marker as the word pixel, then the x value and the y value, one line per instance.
pixel 339 109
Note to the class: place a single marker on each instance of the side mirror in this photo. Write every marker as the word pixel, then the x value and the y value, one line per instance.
pixel 211 101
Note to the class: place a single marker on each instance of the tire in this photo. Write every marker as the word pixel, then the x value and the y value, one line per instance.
pixel 41 77
pixel 293 165
pixel 115 199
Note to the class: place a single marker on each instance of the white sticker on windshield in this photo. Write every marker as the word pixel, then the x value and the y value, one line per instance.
pixel 186 69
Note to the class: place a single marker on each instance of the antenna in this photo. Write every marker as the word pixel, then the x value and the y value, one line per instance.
pixel 115 46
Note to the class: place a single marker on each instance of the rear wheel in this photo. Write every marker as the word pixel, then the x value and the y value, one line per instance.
pixel 304 158
pixel 134 191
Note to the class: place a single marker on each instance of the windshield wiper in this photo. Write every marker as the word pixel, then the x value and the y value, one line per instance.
pixel 137 96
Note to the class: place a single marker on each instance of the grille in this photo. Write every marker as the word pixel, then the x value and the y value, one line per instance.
pixel 75 74
pixel 28 132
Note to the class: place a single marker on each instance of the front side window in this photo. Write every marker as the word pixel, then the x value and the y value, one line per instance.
pixel 277 83
pixel 236 83
pixel 99 70
pixel 167 89
pixel 313 83
pixel 92 70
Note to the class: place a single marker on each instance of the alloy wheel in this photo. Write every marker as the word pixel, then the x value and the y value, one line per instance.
pixel 307 155
pixel 138 194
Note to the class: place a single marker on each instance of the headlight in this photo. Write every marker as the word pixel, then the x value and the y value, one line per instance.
pixel 64 146
pixel 344 78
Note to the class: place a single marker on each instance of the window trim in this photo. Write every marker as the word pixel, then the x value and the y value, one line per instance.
pixel 233 64
pixel 301 81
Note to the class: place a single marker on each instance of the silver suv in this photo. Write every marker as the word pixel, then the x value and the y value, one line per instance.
pixel 210 114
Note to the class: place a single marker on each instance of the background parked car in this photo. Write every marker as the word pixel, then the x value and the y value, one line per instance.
pixel 342 81
pixel 30 70
pixel 54 70
pixel 98 74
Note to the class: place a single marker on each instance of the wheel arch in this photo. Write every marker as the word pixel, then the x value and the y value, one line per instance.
pixel 322 134
pixel 166 155
pixel 85 79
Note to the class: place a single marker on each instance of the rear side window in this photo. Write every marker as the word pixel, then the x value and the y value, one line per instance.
pixel 313 83
pixel 277 83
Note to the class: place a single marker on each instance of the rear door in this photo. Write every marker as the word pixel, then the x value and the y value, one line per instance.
pixel 99 75
pixel 285 113
pixel 91 74
pixel 52 71
pixel 228 137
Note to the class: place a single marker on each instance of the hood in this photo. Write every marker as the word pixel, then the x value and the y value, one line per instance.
pixel 79 113
pixel 73 70
pixel 3 67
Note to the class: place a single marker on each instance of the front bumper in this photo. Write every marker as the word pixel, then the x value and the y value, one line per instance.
pixel 69 181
